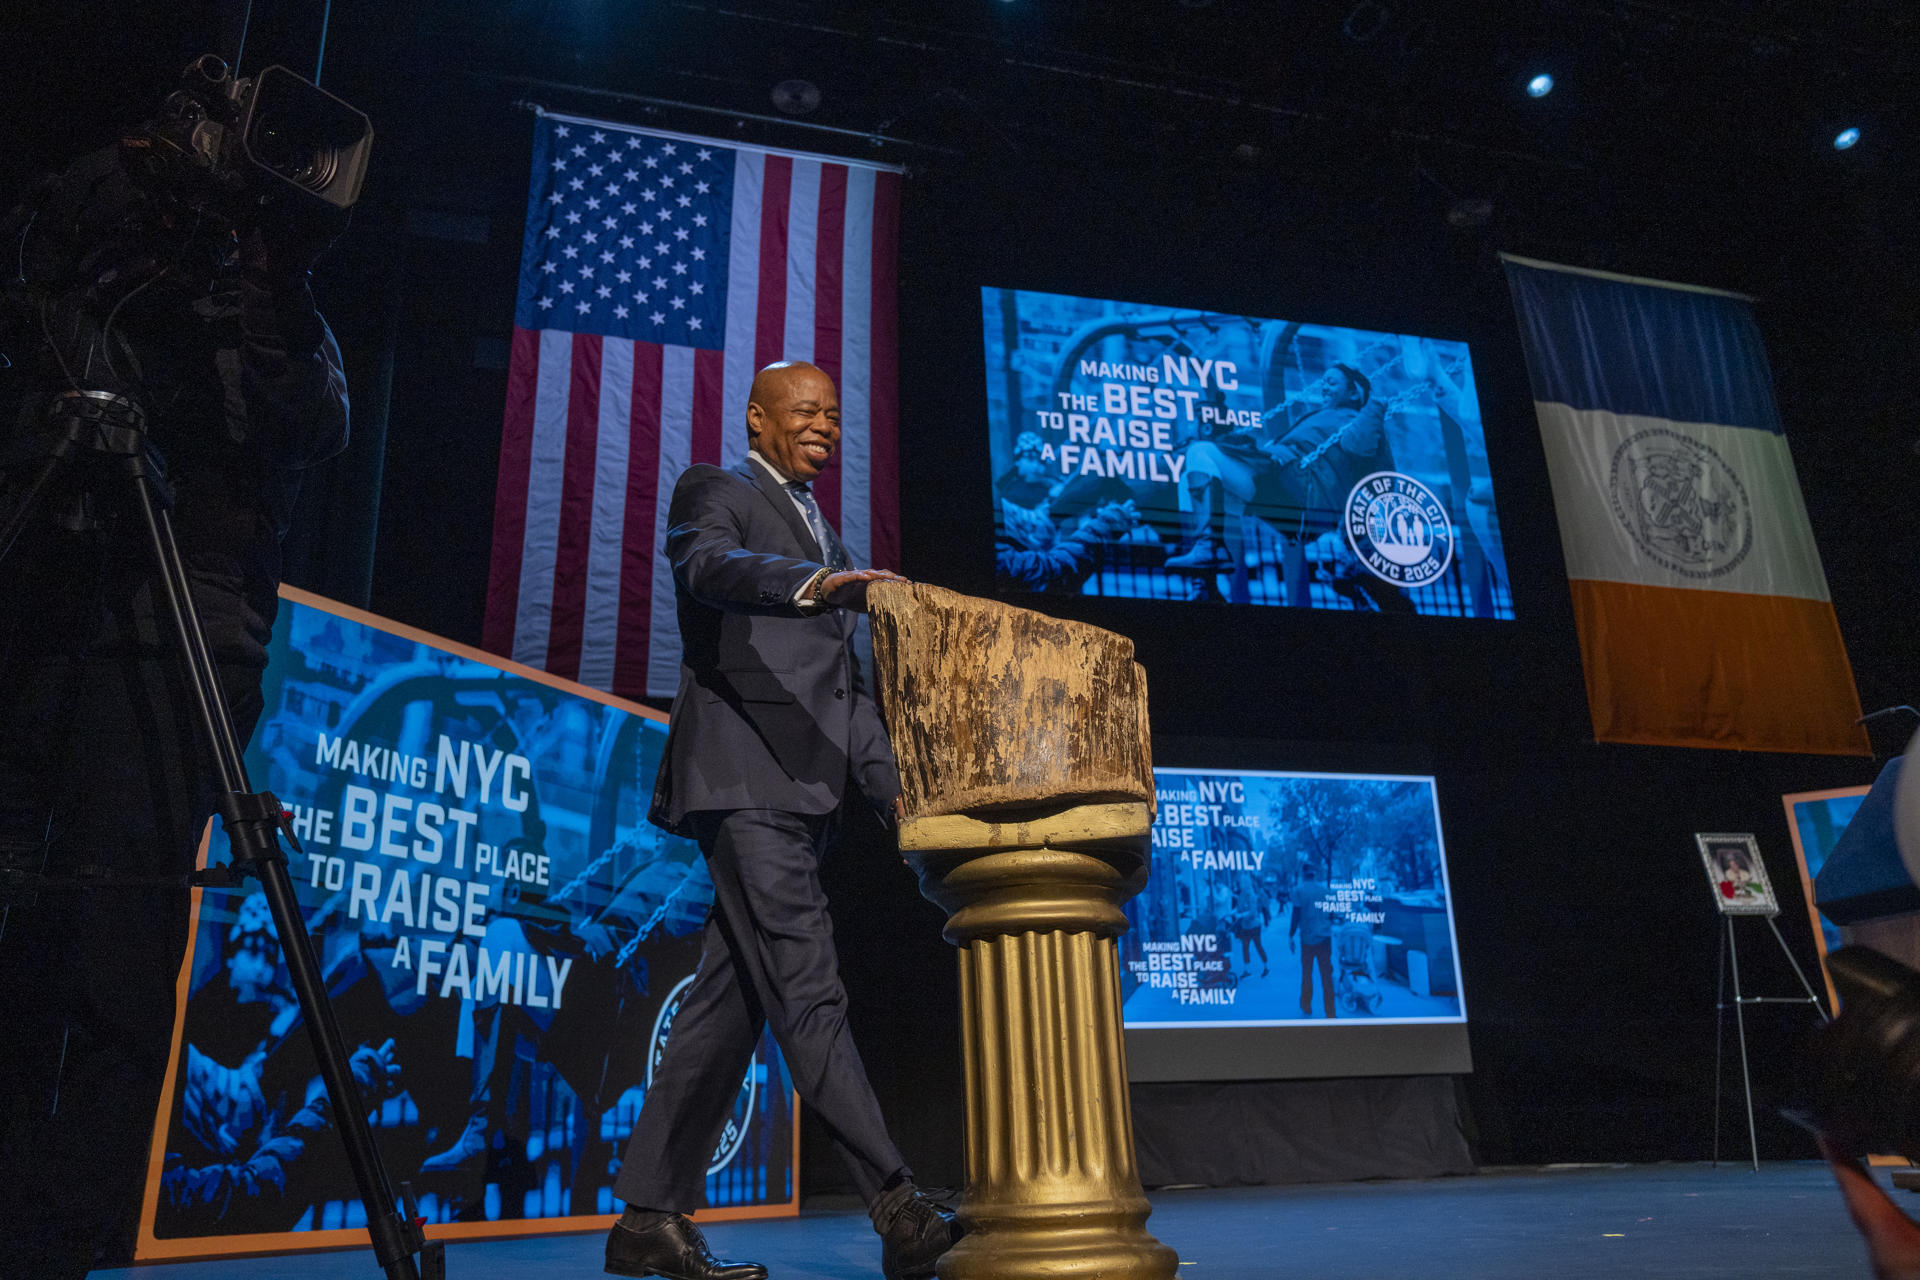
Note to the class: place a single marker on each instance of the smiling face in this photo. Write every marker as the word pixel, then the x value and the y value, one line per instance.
pixel 793 419
pixel 1333 388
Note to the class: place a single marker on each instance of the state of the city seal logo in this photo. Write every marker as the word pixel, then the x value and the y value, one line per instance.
pixel 1398 528
pixel 734 1135
pixel 1681 503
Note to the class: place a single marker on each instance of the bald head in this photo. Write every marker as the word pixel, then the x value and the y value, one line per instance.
pixel 793 418
pixel 773 381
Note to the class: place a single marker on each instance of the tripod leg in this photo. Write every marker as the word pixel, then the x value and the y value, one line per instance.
pixel 256 848
pixel 190 644
pixel 22 513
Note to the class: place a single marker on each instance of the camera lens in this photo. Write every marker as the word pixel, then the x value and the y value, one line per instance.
pixel 302 161
pixel 305 137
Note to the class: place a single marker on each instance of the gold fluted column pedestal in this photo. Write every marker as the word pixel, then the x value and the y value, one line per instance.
pixel 1026 773
pixel 1034 907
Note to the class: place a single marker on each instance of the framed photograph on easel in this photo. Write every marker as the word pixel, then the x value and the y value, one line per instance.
pixel 1741 888
pixel 1738 876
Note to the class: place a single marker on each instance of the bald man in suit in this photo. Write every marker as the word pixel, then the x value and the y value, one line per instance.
pixel 771 726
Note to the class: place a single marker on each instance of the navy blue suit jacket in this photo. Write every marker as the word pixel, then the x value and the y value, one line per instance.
pixel 772 712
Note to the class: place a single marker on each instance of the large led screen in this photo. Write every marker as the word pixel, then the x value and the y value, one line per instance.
pixel 1293 901
pixel 1148 451
pixel 504 936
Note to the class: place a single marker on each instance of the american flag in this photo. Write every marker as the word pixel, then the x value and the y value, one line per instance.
pixel 659 272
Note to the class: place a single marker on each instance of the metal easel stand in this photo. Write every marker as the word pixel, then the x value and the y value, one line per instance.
pixel 1730 952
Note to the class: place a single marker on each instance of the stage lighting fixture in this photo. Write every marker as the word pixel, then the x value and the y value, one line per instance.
pixel 1365 21
pixel 1540 86
pixel 1845 138
pixel 796 97
pixel 1469 212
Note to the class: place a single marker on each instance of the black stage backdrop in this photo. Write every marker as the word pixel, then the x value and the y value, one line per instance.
pixel 1586 943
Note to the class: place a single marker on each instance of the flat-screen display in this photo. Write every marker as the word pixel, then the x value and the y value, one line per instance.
pixel 1147 451
pixel 1293 924
pixel 1815 821
pixel 504 937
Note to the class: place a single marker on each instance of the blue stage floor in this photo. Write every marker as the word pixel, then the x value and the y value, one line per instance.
pixel 1675 1222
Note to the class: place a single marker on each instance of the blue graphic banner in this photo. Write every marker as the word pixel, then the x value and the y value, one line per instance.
pixel 504 936
pixel 1291 897
pixel 1168 453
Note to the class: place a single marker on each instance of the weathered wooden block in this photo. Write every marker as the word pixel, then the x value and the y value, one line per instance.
pixel 993 710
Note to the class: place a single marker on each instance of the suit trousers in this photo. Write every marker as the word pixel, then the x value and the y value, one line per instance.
pixel 767 960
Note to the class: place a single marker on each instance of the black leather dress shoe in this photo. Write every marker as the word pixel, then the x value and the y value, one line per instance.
pixel 672 1247
pixel 920 1232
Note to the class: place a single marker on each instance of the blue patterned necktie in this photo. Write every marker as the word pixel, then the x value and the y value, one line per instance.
pixel 836 555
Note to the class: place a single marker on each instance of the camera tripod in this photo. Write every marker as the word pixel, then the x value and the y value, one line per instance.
pixel 98 440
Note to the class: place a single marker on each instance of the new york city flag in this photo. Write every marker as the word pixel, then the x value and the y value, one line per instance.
pixel 1702 608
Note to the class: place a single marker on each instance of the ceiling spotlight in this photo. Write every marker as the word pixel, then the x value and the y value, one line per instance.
pixel 1469 212
pixel 1845 138
pixel 796 97
pixel 1365 21
pixel 1540 86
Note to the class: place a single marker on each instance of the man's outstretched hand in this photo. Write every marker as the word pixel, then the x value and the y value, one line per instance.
pixel 1893 1239
pixel 848 589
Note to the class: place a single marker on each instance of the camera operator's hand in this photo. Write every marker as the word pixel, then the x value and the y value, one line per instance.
pixel 1893 1239
pixel 279 252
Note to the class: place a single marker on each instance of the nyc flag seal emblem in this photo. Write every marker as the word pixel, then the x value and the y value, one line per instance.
pixel 1681 503
pixel 1398 528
